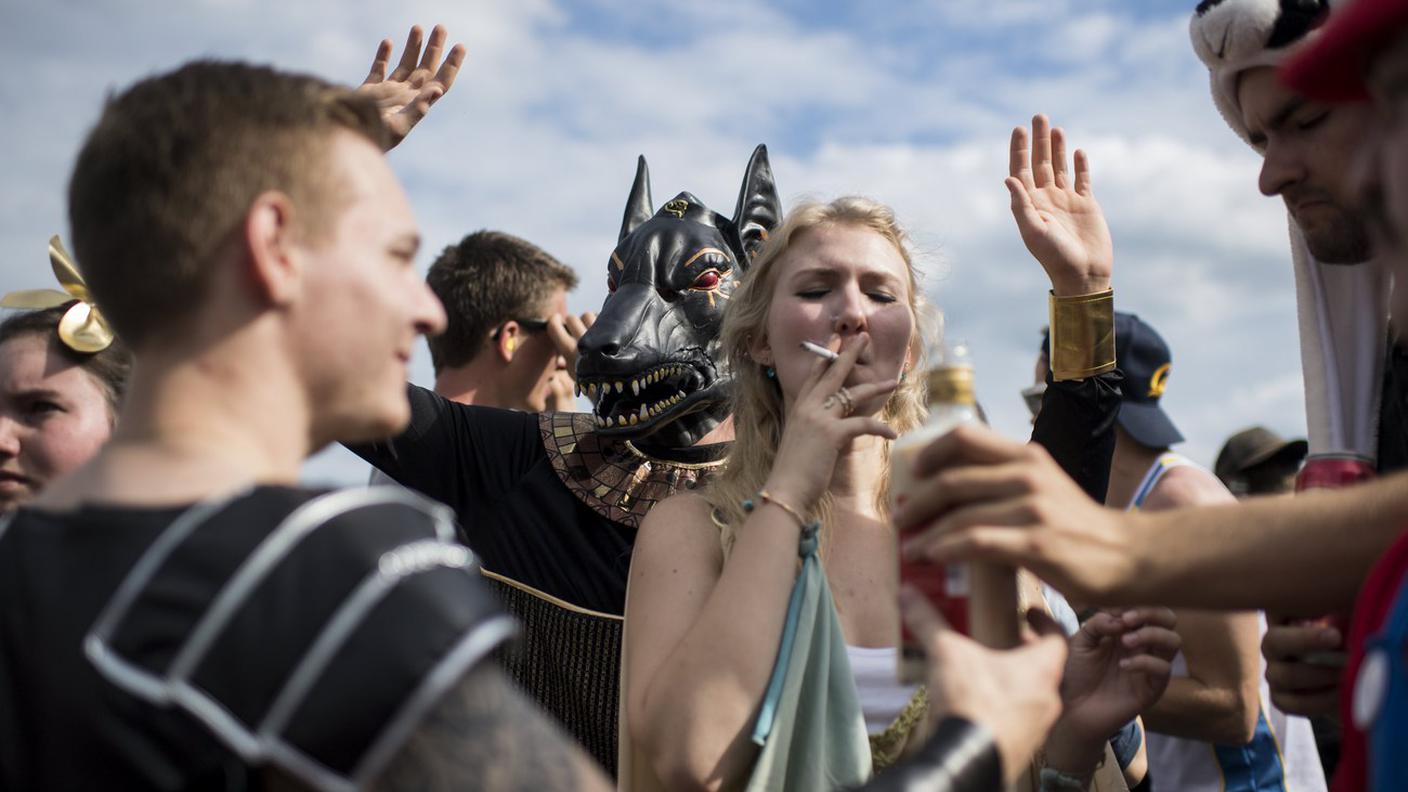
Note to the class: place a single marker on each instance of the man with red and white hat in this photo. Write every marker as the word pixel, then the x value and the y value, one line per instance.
pixel 1341 286
pixel 1363 54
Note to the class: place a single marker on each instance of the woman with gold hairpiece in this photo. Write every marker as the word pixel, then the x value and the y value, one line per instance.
pixel 62 378
pixel 712 611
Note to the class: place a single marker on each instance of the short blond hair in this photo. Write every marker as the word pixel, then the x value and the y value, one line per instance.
pixel 173 165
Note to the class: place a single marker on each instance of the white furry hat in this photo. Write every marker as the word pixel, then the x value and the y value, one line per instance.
pixel 1342 310
pixel 1232 36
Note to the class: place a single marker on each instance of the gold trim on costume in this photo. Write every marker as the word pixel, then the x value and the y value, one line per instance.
pixel 1082 335
pixel 701 252
pixel 548 598
pixel 681 465
pixel 888 746
pixel 611 476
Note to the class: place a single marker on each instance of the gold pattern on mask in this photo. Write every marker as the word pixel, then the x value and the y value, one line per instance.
pixel 677 207
pixel 83 327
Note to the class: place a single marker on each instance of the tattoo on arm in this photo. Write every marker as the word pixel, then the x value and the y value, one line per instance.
pixel 485 734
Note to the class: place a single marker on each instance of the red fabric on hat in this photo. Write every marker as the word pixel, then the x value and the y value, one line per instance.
pixel 1380 589
pixel 1331 67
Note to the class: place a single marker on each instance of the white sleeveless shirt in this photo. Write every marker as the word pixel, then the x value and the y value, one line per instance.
pixel 1281 756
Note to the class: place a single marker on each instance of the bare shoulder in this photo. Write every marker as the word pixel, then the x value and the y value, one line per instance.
pixel 1187 486
pixel 486 735
pixel 681 526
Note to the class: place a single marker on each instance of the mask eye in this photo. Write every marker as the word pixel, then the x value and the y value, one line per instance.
pixel 708 280
pixel 611 284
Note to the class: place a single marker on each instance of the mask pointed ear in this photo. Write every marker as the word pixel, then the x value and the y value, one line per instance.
pixel 759 209
pixel 639 207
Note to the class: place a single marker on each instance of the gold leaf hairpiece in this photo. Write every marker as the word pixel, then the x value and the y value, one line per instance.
pixel 82 328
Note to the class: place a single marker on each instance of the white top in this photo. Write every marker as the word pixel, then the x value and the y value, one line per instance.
pixel 882 697
pixel 1282 754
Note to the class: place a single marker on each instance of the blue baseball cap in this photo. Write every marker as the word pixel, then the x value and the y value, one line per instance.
pixel 1143 357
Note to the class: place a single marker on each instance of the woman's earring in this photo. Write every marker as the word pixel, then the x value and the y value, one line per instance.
pixel 770 373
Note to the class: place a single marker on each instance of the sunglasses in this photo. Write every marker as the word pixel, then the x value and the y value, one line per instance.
pixel 1032 396
pixel 528 325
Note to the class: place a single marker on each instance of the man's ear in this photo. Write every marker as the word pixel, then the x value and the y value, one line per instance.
pixel 506 346
pixel 271 240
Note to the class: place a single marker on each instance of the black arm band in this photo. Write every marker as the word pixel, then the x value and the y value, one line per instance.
pixel 960 757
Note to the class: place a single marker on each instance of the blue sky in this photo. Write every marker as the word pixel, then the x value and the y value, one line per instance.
pixel 910 102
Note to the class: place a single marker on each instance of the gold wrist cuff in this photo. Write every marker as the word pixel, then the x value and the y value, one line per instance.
pixel 1082 335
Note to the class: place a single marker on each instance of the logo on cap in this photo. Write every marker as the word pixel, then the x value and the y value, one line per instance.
pixel 1159 382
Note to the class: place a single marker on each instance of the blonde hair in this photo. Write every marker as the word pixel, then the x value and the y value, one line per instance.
pixel 757 402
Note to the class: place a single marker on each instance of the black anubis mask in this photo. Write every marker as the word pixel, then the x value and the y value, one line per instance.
pixel 651 363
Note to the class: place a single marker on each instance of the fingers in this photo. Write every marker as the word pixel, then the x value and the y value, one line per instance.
pixel 563 339
pixel 1285 642
pixel 1308 704
pixel 377 73
pixel 974 445
pixel 588 319
pixel 433 48
pixel 919 615
pixel 561 397
pixel 1023 210
pixel 860 394
pixel 1082 173
pixel 1153 615
pixel 1160 642
pixel 974 522
pixel 1058 156
pixel 835 375
pixel 1301 678
pixel 1146 664
pixel 409 56
pixel 1043 624
pixel 851 428
pixel 1019 165
pixel 450 69
pixel 1041 151
pixel 950 488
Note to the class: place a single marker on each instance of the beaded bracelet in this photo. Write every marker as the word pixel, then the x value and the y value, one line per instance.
pixel 764 497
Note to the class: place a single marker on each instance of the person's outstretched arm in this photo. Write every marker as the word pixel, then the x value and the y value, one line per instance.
pixel 992 499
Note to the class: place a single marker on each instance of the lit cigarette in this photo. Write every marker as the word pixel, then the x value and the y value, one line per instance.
pixel 819 350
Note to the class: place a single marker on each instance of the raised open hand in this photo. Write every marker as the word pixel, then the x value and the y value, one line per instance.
pixel 1060 221
pixel 420 79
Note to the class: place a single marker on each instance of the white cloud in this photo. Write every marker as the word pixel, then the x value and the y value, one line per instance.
pixel 540 135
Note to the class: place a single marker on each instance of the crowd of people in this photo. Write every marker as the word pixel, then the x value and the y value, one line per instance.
pixel 696 584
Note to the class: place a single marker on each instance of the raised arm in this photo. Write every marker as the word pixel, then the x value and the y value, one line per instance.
pixel 417 82
pixel 1064 229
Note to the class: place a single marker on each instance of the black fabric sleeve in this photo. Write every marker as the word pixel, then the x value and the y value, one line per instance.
pixel 959 757
pixel 1077 427
pixel 457 453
